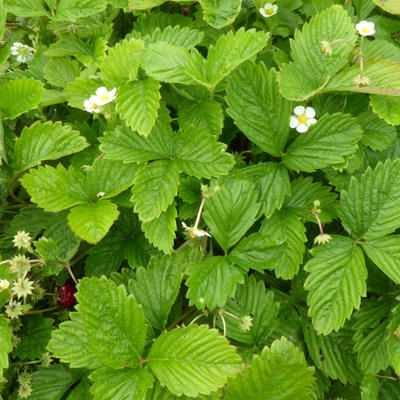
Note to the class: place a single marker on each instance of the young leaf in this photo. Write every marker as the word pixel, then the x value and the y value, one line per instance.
pixel 193 360
pixel 69 343
pixel 199 154
pixel 91 221
pixel 369 207
pixel 19 96
pixel 71 10
pixel 258 108
pixel 122 62
pixel 126 384
pixel 231 212
pixel 55 189
pixel 211 282
pixel 155 187
pixel 336 283
pixel 45 141
pixel 220 13
pixel 385 253
pixel 311 68
pixel 280 372
pixel 138 103
pixel 160 231
pixel 156 288
pixel 109 316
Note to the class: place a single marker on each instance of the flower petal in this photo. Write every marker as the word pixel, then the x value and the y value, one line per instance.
pixel 263 13
pixel 302 128
pixel 310 112
pixel 101 90
pixel 294 122
pixel 311 121
pixel 112 92
pixel 299 110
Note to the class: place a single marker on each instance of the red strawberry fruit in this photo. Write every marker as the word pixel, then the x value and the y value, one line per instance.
pixel 66 295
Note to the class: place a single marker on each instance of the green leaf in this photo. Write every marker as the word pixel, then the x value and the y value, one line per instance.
pixel 370 388
pixel 311 69
pixel 280 372
pixel 385 253
pixel 124 145
pixel 155 187
pixel 211 282
pixel 199 154
pixel 19 96
pixel 329 142
pixel 71 46
pixel 55 189
pixel 387 108
pixel 257 107
pixel 156 288
pixel 143 4
pixel 369 207
pixel 384 76
pixel 336 283
pixel 71 10
pixel 390 6
pixel 25 8
pixel 5 343
pixel 207 115
pixel 370 333
pixel 80 90
pixel 91 221
pixel 122 63
pixel 286 226
pixel 60 71
pixel 392 339
pixel 273 183
pixel 70 343
pixel 109 316
pixel 45 141
pixel 257 251
pixel 193 360
pixel 120 384
pixel 160 231
pixel 231 212
pixel 138 103
pixel 220 13
pixel 34 334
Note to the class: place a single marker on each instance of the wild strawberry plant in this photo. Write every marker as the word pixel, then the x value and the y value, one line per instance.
pixel 200 199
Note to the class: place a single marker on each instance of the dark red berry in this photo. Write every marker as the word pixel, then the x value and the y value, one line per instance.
pixel 66 295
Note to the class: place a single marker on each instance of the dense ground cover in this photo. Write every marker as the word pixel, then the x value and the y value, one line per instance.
pixel 200 199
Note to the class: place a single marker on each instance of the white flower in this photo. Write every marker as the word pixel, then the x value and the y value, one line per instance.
pixel 4 284
pixel 303 119
pixel 194 232
pixel 91 106
pixel 365 28
pixel 23 52
pixel 103 96
pixel 268 10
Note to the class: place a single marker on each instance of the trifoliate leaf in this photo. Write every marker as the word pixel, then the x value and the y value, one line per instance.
pixel 199 154
pixel 122 63
pixel 336 283
pixel 126 384
pixel 45 141
pixel 60 71
pixel 231 212
pixel 280 372
pixel 71 10
pixel 138 103
pixel 212 281
pixel 193 360
pixel 369 207
pixel 19 96
pixel 156 288
pixel 110 316
pixel 155 187
pixel 220 13
pixel 329 142
pixel 92 221
pixel 257 107
pixel 70 343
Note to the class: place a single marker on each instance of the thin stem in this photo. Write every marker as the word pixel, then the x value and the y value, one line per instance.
pixel 196 319
pixel 196 224
pixel 360 55
pixel 71 273
pixel 181 318
pixel 231 315
pixel 341 41
pixel 223 322
pixel 321 231
pixel 388 377
pixel 43 310
pixel 11 192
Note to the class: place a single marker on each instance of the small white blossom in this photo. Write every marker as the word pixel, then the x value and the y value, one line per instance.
pixel 365 28
pixel 91 106
pixel 4 284
pixel 103 96
pixel 268 10
pixel 23 52
pixel 194 232
pixel 303 118
pixel 100 194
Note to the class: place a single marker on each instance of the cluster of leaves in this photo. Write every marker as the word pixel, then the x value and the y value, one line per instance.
pixel 241 303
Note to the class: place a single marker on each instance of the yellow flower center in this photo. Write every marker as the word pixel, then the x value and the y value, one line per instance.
pixel 104 97
pixel 365 29
pixel 269 11
pixel 302 119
